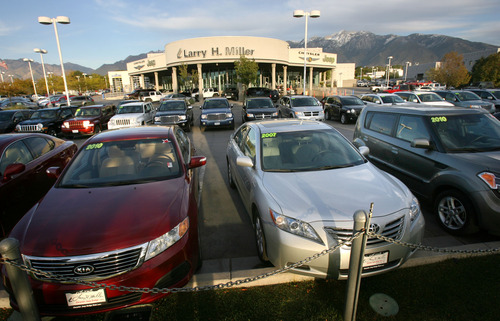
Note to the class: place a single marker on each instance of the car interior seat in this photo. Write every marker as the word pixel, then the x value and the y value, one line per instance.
pixel 117 163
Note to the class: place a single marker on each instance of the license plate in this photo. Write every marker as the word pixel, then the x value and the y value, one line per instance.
pixel 75 131
pixel 376 259
pixel 217 124
pixel 86 298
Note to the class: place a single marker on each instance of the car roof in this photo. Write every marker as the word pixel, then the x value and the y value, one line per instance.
pixel 8 138
pixel 288 125
pixel 422 109
pixel 132 133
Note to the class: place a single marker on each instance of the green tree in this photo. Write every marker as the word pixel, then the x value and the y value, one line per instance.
pixel 183 75
pixel 487 69
pixel 452 71
pixel 246 71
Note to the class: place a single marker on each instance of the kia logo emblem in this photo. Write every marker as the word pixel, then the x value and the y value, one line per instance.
pixel 83 269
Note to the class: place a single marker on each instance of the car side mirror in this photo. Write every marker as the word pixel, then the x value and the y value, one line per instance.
pixel 364 150
pixel 11 170
pixel 421 143
pixel 231 105
pixel 53 172
pixel 244 161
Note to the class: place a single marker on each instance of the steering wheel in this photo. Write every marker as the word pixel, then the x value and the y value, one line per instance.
pixel 479 138
pixel 323 155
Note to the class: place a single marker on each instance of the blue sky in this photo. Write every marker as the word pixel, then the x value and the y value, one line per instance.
pixel 106 31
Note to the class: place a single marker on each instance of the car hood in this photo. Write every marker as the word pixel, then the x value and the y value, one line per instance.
pixel 83 118
pixel 479 160
pixel 126 116
pixel 261 110
pixel 170 112
pixel 215 110
pixel 308 108
pixel 36 121
pixel 82 221
pixel 315 196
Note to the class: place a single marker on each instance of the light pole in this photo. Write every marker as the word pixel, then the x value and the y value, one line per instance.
pixel 54 21
pixel 11 81
pixel 406 71
pixel 389 70
pixel 50 73
pixel 29 61
pixel 300 14
pixel 42 52
pixel 1 74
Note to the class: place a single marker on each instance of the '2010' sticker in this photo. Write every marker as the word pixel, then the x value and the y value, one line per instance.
pixel 441 119
pixel 94 146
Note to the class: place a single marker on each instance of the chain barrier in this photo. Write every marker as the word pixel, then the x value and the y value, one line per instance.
pixel 230 284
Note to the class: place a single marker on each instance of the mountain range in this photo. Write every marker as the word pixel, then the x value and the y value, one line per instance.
pixel 362 48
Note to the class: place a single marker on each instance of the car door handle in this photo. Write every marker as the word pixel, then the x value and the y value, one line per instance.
pixel 39 169
pixel 395 150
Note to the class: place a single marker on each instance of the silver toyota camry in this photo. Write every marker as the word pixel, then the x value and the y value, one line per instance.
pixel 301 183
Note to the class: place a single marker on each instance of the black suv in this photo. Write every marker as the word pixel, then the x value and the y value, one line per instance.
pixel 175 112
pixel 447 156
pixel 10 118
pixel 258 108
pixel 343 108
pixel 47 121
pixel 263 92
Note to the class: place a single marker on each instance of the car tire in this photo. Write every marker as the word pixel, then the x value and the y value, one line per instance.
pixel 455 213
pixel 230 179
pixel 52 132
pixel 97 129
pixel 260 238
pixel 343 119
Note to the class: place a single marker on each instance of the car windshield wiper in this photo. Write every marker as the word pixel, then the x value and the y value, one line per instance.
pixel 335 166
pixel 74 186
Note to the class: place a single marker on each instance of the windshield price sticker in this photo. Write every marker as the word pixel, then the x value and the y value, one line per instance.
pixel 267 135
pixel 441 119
pixel 94 146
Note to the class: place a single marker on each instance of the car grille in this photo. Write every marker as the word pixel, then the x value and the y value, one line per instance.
pixel 29 128
pixel 393 230
pixel 311 113
pixel 169 119
pixel 75 124
pixel 216 116
pixel 123 122
pixel 89 267
pixel 262 116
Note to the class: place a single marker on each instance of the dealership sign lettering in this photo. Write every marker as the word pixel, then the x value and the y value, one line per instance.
pixel 215 52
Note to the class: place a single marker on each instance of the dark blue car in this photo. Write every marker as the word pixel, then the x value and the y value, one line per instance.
pixel 216 112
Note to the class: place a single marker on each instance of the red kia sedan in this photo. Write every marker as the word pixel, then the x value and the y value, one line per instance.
pixel 24 158
pixel 124 212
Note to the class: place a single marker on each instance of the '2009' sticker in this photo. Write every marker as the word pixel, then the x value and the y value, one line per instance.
pixel 94 146
pixel 266 135
pixel 441 119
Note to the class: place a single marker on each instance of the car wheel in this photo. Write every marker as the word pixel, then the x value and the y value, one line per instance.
pixel 343 119
pixel 260 238
pixel 97 129
pixel 52 132
pixel 328 116
pixel 230 176
pixel 188 126
pixel 455 212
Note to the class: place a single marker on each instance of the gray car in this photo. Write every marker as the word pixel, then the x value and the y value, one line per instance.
pixel 301 183
pixel 467 99
pixel 301 107
pixel 448 156
pixel 489 95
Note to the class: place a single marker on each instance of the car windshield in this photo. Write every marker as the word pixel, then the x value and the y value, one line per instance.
pixel 44 114
pixel 130 109
pixel 392 99
pixel 122 163
pixel 172 105
pixel 349 101
pixel 259 103
pixel 429 97
pixel 6 116
pixel 215 103
pixel 467 133
pixel 307 151
pixel 87 112
pixel 466 96
pixel 304 102
pixel 496 93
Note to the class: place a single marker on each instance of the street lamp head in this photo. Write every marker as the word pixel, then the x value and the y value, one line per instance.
pixel 390 57
pixel 27 59
pixel 315 14
pixel 45 20
pixel 42 51
pixel 63 20
pixel 298 13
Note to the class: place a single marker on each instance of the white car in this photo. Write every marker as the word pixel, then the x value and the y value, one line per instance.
pixel 424 97
pixel 132 115
pixel 150 96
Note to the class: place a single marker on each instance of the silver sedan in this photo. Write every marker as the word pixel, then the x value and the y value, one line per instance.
pixel 301 183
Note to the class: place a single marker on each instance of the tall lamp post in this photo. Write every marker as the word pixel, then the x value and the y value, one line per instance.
pixel 29 61
pixel 406 71
pixel 300 14
pixel 54 21
pixel 1 74
pixel 389 70
pixel 42 52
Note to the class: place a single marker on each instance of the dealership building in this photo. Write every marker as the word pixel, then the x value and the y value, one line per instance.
pixel 212 61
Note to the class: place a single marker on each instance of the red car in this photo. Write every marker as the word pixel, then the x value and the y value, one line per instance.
pixel 24 158
pixel 124 212
pixel 88 120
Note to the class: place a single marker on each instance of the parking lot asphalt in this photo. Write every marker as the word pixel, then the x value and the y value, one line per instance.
pixel 224 262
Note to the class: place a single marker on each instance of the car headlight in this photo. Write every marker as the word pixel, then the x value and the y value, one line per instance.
pixel 204 116
pixel 39 126
pixel 65 124
pixel 157 119
pixel 299 114
pixel 295 226
pixel 490 179
pixel 249 115
pixel 166 240
pixel 111 121
pixel 475 106
pixel 182 117
pixel 414 209
pixel 87 124
pixel 275 114
pixel 18 127
pixel 229 115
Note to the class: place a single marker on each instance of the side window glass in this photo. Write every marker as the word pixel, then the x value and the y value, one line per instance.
pixel 39 146
pixel 16 153
pixel 249 144
pixel 238 137
pixel 411 127
pixel 184 145
pixel 381 122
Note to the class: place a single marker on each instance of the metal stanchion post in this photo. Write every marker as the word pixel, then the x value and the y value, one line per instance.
pixel 9 248
pixel 361 221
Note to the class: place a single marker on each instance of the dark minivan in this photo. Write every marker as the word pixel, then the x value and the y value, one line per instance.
pixel 447 156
